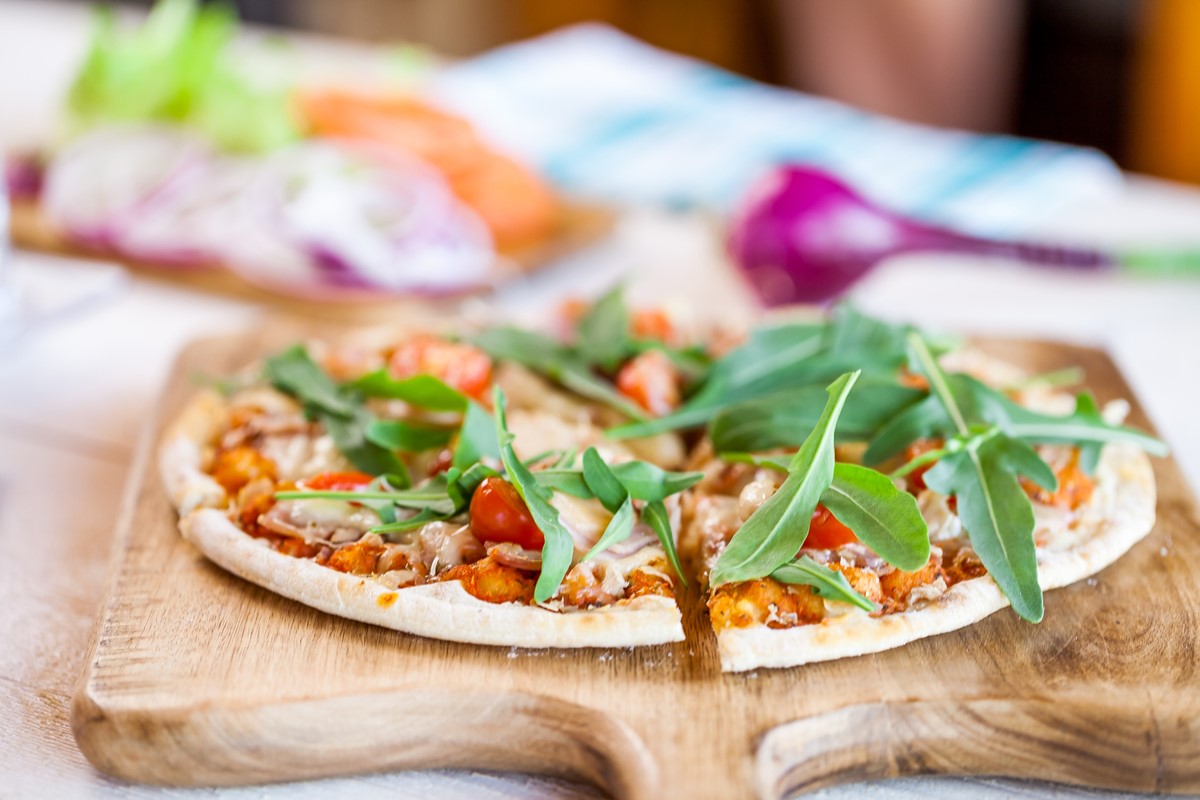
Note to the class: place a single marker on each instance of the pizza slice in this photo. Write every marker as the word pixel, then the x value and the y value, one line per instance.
pixel 423 487
pixel 982 502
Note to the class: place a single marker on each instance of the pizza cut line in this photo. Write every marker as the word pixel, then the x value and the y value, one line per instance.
pixel 832 494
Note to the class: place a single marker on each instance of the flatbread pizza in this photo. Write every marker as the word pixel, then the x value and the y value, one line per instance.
pixel 836 487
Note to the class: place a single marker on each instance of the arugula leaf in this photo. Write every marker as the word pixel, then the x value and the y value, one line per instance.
pixel 994 509
pixel 761 365
pixel 425 391
pixel 922 420
pixel 776 531
pixel 476 438
pixel 407 437
pixel 617 530
pixel 385 510
pixel 1089 452
pixel 784 419
pixel 567 481
pixel 539 353
pixel 603 332
pixel 294 372
pixel 559 547
pixel 431 494
pixel 645 481
pixel 825 581
pixel 580 380
pixel 655 515
pixel 998 517
pixel 929 418
pixel 1085 427
pixel 1019 458
pixel 557 362
pixel 350 437
pixel 418 520
pixel 602 481
pixel 883 517
pixel 780 358
pixel 851 332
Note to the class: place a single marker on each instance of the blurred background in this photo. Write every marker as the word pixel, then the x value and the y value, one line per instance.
pixel 1119 75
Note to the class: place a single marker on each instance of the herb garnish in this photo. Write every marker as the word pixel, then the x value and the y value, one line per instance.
pixel 784 358
pixel 604 339
pixel 981 472
pixel 484 438
pixel 882 516
pixel 294 373
pixel 784 419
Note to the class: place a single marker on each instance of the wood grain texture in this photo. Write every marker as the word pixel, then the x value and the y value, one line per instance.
pixel 196 677
pixel 579 226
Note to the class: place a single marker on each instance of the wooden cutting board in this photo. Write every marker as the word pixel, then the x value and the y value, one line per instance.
pixel 199 678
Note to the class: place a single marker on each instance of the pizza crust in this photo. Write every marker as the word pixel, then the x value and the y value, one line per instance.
pixel 437 610
pixel 1121 514
pixel 182 454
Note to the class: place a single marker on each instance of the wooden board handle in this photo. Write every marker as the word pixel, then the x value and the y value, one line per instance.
pixel 1003 738
pixel 315 738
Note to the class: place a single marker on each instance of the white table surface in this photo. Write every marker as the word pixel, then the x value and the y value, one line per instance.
pixel 73 395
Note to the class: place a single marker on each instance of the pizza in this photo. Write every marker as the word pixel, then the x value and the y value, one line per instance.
pixel 1081 525
pixel 834 486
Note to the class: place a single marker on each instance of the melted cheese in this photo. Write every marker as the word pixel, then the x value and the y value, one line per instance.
pixel 299 456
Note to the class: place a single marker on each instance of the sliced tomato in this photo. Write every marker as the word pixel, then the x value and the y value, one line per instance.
pixel 498 514
pixel 916 478
pixel 653 323
pixel 826 533
pixel 337 481
pixel 460 366
pixel 650 380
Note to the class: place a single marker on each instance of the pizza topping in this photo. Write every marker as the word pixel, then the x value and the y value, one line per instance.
pixel 764 602
pixel 768 542
pixel 360 558
pixel 493 582
pixel 460 366
pixel 499 514
pixel 513 555
pixel 825 531
pixel 1075 487
pixel 650 380
pixel 237 467
pixel 445 545
pixel 403 474
pixel 340 481
pixel 329 520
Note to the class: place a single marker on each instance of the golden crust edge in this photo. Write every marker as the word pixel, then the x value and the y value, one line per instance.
pixel 436 610
pixel 181 454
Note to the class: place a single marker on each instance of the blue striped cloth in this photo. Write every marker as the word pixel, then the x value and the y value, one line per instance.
pixel 608 117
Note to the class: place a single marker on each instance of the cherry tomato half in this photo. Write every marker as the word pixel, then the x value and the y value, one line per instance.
pixel 916 478
pixel 337 481
pixel 498 514
pixel 826 533
pixel 459 366
pixel 649 379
